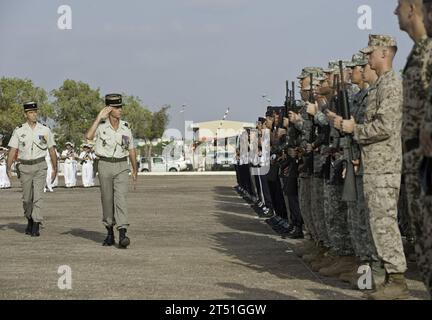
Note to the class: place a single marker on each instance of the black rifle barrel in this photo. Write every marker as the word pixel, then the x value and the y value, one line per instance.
pixel 349 193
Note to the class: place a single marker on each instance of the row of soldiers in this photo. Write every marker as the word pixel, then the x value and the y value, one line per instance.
pixel 332 163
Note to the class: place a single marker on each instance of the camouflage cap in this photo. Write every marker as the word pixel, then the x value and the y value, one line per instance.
pixel 378 41
pixel 358 59
pixel 333 66
pixel 317 72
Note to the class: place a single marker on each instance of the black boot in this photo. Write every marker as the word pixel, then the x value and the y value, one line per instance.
pixel 123 240
pixel 297 233
pixel 109 240
pixel 35 229
pixel 29 228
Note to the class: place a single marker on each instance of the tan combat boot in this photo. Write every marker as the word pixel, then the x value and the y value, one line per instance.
pixel 342 265
pixel 349 276
pixel 303 248
pixel 394 288
pixel 326 261
pixel 316 254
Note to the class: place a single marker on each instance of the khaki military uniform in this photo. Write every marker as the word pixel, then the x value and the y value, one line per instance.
pixel 381 151
pixel 32 145
pixel 112 147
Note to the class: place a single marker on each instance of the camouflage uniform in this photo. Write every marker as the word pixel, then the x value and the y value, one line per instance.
pixel 319 201
pixel 416 79
pixel 381 152
pixel 305 126
pixel 358 216
pixel 336 210
pixel 305 184
pixel 425 261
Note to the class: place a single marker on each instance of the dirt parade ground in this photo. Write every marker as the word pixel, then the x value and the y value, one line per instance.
pixel 192 237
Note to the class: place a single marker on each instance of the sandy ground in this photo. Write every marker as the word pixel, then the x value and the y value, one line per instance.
pixel 192 238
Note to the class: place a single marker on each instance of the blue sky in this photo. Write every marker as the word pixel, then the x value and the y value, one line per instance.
pixel 208 54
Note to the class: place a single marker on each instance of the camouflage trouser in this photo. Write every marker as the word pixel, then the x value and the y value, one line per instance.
pixel 425 262
pixel 318 215
pixel 358 224
pixel 305 205
pixel 414 200
pixel 381 194
pixel 336 214
pixel 419 211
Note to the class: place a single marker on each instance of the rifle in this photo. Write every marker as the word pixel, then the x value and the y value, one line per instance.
pixel 349 193
pixel 309 161
pixel 288 99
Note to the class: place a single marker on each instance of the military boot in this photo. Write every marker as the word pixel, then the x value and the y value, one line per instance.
pixel 303 248
pixel 29 228
pixel 123 240
pixel 342 265
pixel 327 260
pixel 296 233
pixel 316 254
pixel 349 276
pixel 394 288
pixel 109 240
pixel 35 229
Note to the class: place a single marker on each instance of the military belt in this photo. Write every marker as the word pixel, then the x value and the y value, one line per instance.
pixel 31 162
pixel 113 160
pixel 412 144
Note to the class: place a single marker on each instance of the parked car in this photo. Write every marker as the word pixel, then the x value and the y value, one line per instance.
pixel 158 164
pixel 224 162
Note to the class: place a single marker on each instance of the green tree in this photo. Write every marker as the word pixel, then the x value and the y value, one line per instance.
pixel 145 125
pixel 138 116
pixel 14 92
pixel 76 106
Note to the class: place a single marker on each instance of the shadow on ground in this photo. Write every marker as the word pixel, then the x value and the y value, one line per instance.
pixel 273 255
pixel 18 227
pixel 240 292
pixel 86 234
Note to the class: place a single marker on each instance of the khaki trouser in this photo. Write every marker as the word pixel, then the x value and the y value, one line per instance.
pixel 113 178
pixel 381 194
pixel 33 178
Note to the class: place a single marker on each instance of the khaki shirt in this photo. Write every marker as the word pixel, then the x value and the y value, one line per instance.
pixel 32 143
pixel 380 135
pixel 111 143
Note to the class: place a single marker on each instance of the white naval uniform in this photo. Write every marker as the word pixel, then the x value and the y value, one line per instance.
pixel 87 168
pixel 4 179
pixel 54 184
pixel 69 169
pixel 244 148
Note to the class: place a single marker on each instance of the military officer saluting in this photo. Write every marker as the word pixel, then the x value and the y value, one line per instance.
pixel 114 144
pixel 32 140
